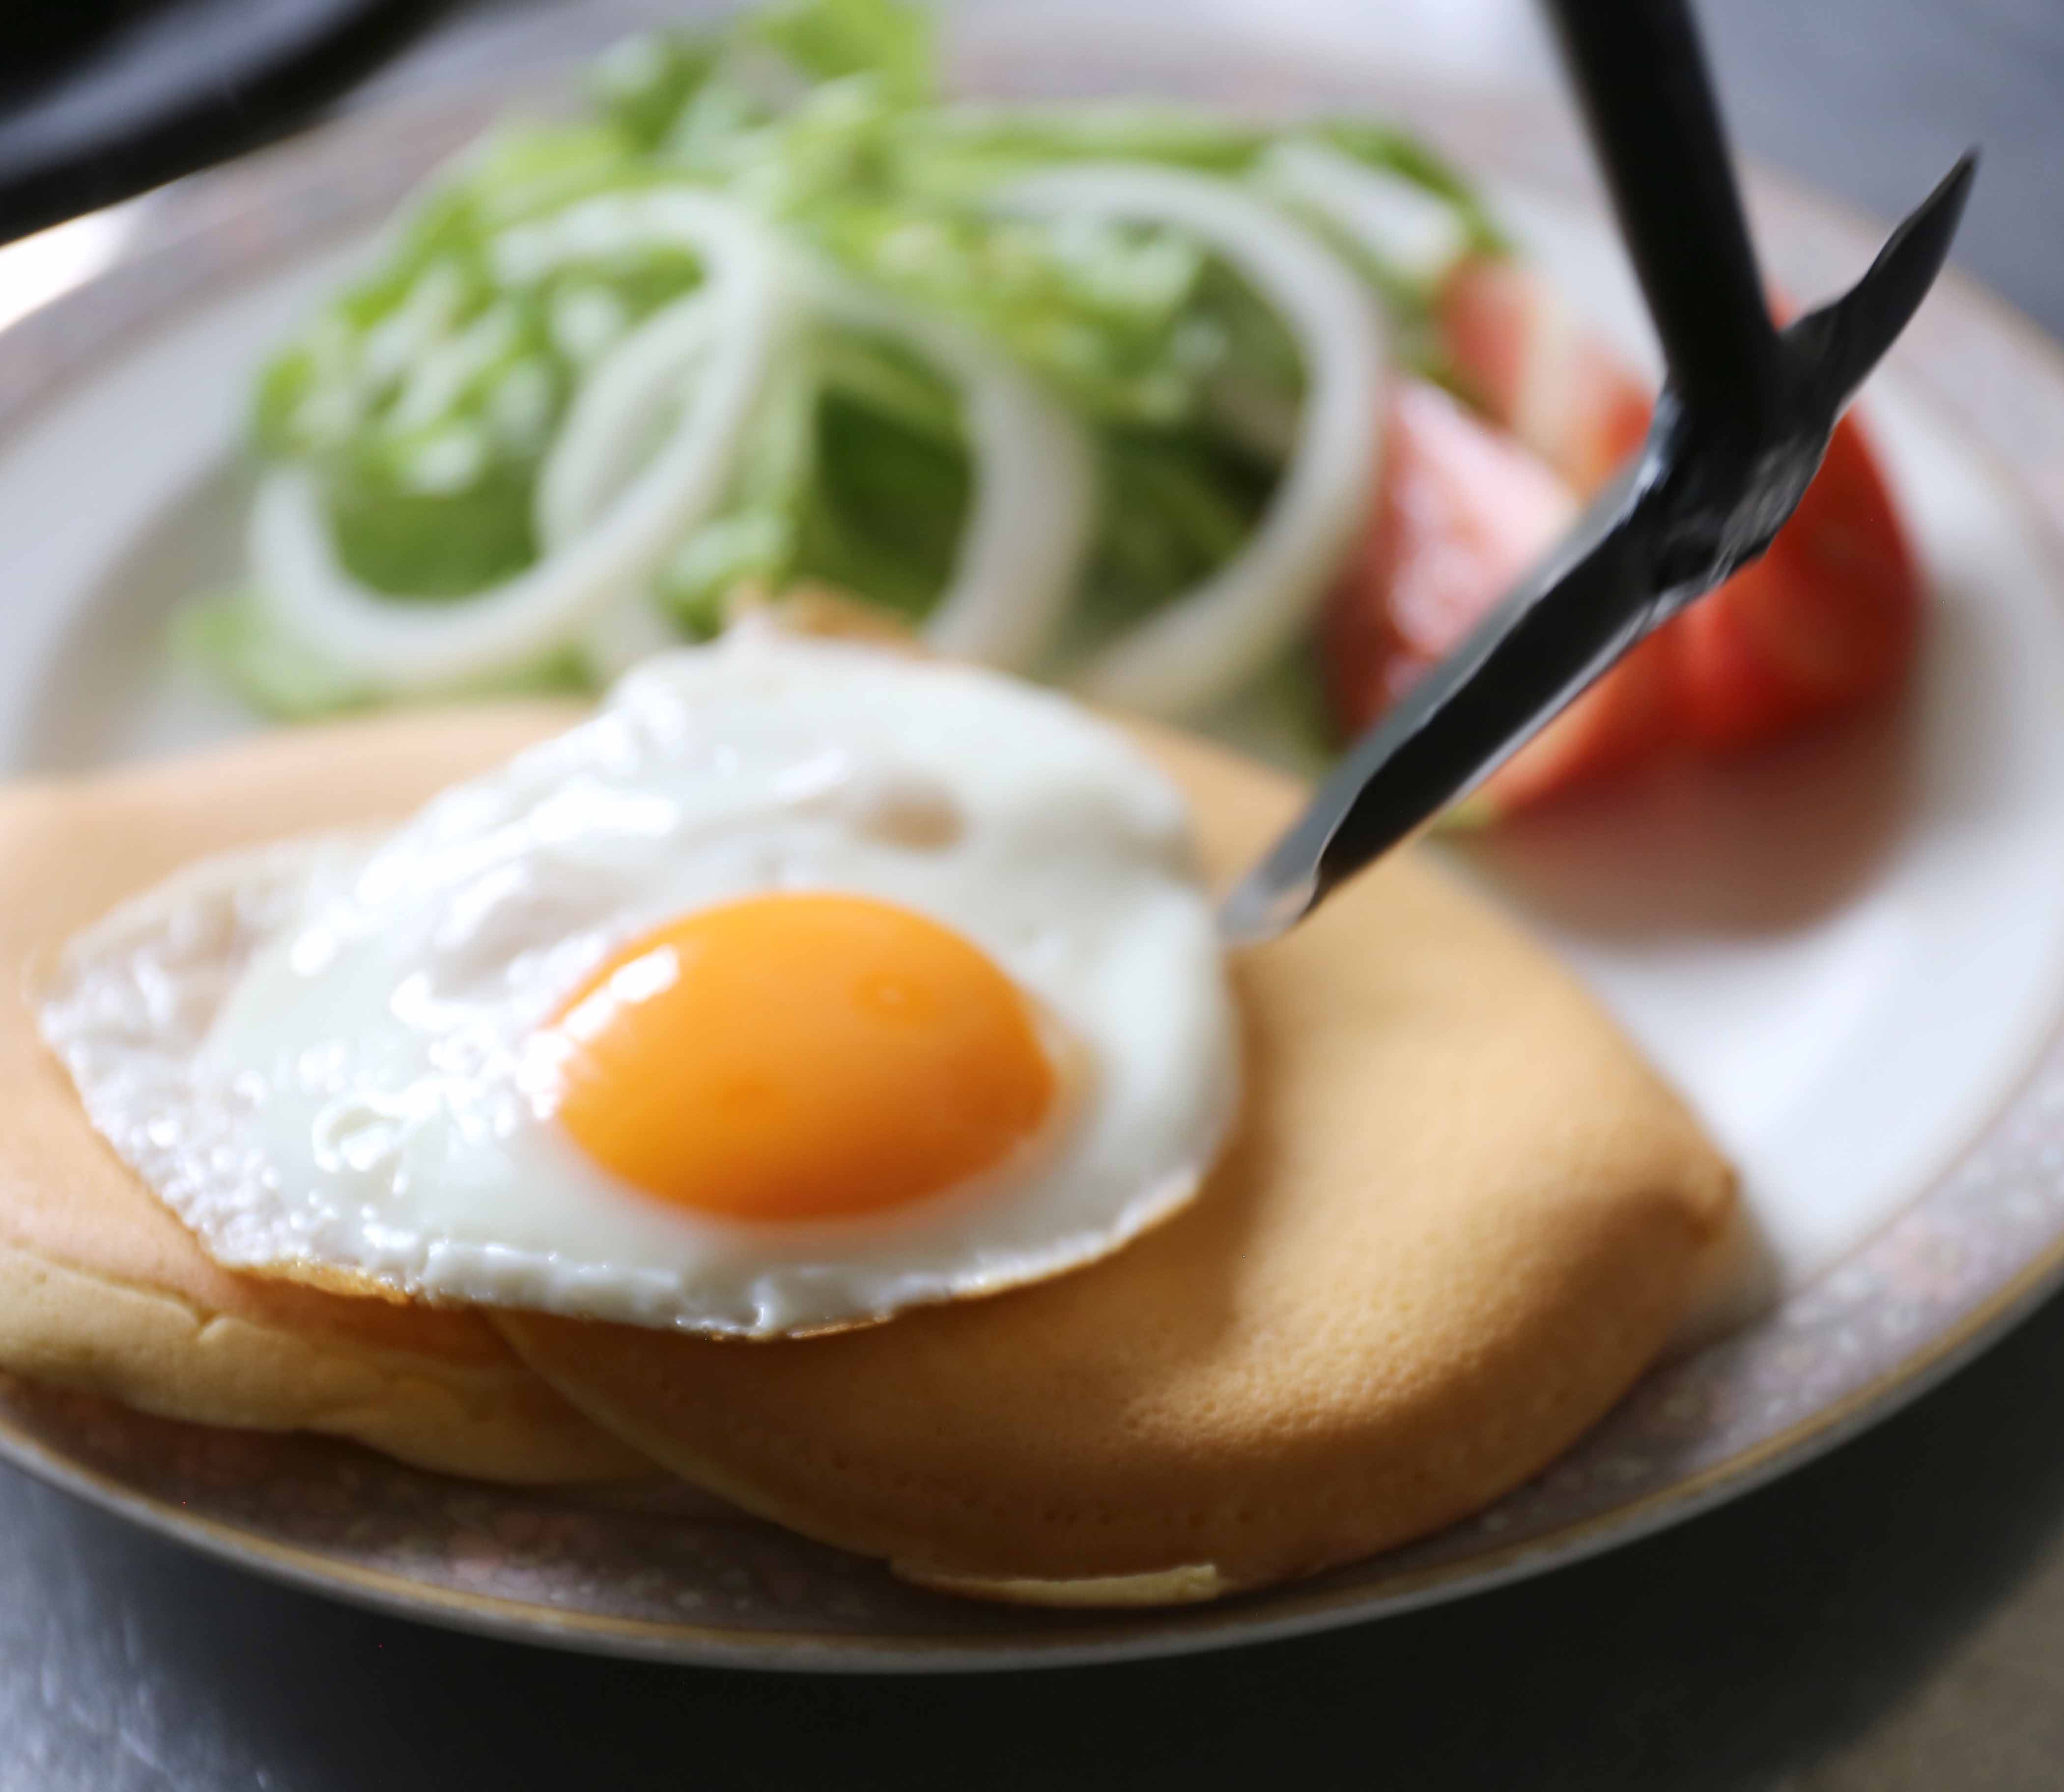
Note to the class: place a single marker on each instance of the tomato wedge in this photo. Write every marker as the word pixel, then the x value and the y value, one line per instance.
pixel 1828 620
pixel 1463 511
pixel 1514 343
pixel 1624 720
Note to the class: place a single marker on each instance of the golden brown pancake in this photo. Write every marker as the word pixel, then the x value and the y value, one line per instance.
pixel 1460 1216
pixel 100 1287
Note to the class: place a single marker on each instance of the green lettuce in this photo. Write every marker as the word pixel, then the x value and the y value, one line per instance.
pixel 423 396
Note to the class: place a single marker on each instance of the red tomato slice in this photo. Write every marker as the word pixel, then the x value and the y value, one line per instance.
pixel 1463 511
pixel 1625 720
pixel 1516 345
pixel 1829 620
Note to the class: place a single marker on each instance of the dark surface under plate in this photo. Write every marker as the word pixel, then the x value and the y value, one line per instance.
pixel 1891 1616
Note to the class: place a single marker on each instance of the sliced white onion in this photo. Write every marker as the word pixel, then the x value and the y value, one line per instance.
pixel 1395 222
pixel 630 629
pixel 400 646
pixel 1018 562
pixel 1212 639
pixel 607 437
pixel 610 429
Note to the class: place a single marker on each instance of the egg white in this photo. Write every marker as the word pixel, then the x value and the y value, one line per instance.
pixel 321 1056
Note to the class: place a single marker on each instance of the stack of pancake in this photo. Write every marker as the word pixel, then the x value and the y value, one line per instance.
pixel 1458 1217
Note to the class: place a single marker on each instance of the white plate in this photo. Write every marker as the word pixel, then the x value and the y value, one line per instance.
pixel 1850 953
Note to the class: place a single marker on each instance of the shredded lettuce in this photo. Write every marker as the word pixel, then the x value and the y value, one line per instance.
pixel 231 635
pixel 427 392
pixel 826 40
pixel 426 395
pixel 857 477
pixel 1176 507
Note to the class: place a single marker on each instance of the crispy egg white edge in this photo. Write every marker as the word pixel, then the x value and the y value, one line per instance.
pixel 142 1002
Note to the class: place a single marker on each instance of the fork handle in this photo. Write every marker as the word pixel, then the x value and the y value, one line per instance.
pixel 1641 76
pixel 161 89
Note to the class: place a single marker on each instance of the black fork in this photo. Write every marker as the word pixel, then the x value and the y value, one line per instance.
pixel 1745 415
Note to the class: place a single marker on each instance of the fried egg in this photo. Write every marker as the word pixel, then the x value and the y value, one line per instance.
pixel 804 983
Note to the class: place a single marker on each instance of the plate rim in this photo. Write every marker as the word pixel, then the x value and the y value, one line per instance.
pixel 1231 1623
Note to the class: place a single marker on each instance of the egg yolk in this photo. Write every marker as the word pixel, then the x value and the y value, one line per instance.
pixel 800 1057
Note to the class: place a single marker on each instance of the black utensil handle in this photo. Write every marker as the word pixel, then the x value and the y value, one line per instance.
pixel 1641 76
pixel 164 89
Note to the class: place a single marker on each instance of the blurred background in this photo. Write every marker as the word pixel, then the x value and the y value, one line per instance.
pixel 1868 98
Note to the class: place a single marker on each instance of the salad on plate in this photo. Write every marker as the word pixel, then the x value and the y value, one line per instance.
pixel 1238 423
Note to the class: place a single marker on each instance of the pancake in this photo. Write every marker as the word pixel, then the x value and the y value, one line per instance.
pixel 1459 1218
pixel 100 1287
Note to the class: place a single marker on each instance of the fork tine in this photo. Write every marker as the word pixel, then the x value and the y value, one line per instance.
pixel 1841 342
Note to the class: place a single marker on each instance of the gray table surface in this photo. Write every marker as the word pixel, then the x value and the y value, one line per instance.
pixel 1891 1617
